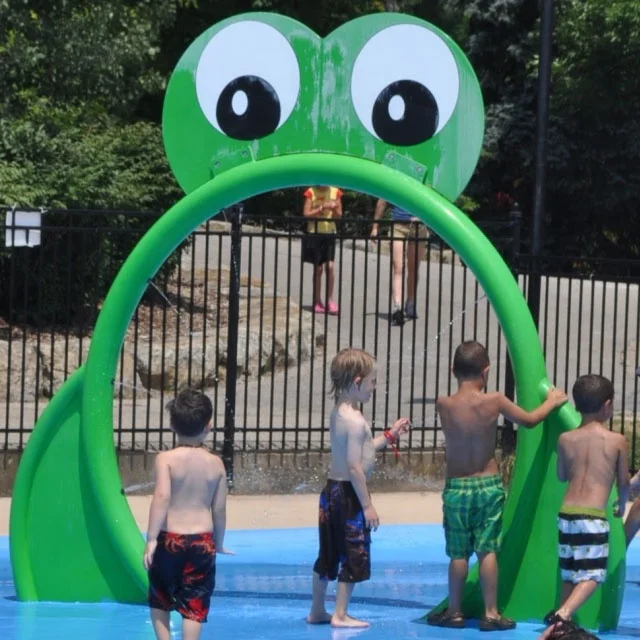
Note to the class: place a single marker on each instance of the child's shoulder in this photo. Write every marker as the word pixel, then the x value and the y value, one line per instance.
pixel 216 459
pixel 349 416
pixel 444 401
pixel 614 437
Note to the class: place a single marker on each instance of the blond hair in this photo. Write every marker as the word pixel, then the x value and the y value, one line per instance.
pixel 348 365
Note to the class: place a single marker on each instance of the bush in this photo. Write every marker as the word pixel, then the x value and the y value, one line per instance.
pixel 63 281
pixel 49 160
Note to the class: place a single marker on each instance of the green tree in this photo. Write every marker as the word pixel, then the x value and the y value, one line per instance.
pixel 594 163
pixel 82 53
pixel 74 74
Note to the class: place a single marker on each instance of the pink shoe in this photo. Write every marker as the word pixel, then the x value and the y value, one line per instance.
pixel 332 308
pixel 318 307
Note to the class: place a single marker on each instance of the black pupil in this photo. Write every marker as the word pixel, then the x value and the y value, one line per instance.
pixel 419 119
pixel 261 114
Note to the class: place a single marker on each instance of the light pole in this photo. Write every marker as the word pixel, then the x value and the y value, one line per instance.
pixel 544 83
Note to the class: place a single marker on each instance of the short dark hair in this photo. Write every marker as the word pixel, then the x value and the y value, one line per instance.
pixel 470 360
pixel 190 412
pixel 591 391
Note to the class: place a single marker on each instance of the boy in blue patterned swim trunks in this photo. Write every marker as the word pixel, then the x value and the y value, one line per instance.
pixel 591 459
pixel 473 498
pixel 346 514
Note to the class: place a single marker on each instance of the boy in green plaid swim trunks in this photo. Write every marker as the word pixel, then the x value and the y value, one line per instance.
pixel 473 515
pixel 473 497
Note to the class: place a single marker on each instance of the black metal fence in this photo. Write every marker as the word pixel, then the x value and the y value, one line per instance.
pixel 232 313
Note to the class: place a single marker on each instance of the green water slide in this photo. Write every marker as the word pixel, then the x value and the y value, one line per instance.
pixel 73 537
pixel 409 135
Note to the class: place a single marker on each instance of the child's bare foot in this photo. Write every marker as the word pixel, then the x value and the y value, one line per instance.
pixel 318 617
pixel 347 622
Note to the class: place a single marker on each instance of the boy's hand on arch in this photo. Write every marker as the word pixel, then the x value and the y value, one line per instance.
pixel 557 396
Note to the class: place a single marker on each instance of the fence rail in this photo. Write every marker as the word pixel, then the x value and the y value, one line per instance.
pixel 232 313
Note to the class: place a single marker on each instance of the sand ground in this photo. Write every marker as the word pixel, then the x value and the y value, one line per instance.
pixel 283 511
pixel 299 510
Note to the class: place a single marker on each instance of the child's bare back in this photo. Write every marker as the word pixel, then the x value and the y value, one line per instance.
pixel 187 520
pixel 194 475
pixel 590 458
pixel 469 421
pixel 473 497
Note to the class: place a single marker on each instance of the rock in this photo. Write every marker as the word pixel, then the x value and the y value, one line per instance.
pixel 127 381
pixel 60 359
pixel 273 333
pixel 165 367
pixel 280 336
pixel 266 342
pixel 19 377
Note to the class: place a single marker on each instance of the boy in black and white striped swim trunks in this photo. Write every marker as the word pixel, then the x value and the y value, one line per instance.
pixel 591 459
pixel 583 544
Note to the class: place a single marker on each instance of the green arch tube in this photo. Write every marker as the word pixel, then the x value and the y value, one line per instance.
pixel 104 547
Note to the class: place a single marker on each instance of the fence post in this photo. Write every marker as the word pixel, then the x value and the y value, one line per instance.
pixel 508 432
pixel 232 341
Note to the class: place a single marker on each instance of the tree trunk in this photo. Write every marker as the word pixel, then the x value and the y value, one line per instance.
pixel 393 5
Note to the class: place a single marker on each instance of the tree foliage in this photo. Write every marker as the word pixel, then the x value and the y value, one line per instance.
pixel 84 82
pixel 594 165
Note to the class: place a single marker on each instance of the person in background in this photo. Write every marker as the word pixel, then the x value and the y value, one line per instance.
pixel 409 238
pixel 322 205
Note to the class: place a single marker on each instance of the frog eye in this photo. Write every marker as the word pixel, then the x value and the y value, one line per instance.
pixel 405 85
pixel 247 80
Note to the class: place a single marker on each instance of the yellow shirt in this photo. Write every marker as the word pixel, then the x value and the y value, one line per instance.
pixel 318 196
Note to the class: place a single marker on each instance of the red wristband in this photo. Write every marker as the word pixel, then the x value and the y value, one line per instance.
pixel 391 439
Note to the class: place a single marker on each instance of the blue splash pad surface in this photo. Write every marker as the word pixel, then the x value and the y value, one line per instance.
pixel 264 593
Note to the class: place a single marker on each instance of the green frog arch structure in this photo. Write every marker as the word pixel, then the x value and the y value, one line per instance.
pixel 388 105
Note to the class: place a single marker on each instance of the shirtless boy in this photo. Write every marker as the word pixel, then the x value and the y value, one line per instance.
pixel 591 459
pixel 632 522
pixel 187 520
pixel 473 497
pixel 347 514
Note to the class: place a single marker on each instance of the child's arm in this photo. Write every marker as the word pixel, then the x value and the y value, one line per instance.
pixel 159 507
pixel 391 435
pixel 381 206
pixel 337 210
pixel 622 477
pixel 562 466
pixel 219 509
pixel 355 443
pixel 312 212
pixel 513 412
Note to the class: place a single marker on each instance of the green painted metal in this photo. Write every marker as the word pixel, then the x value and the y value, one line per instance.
pixel 331 74
pixel 73 536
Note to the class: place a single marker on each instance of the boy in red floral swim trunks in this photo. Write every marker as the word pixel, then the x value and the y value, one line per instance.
pixel 186 520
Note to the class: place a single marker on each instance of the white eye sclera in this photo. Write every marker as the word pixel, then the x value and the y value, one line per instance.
pixel 247 80
pixel 405 84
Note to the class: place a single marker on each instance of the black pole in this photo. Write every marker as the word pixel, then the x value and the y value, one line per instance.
pixel 544 83
pixel 508 431
pixel 232 342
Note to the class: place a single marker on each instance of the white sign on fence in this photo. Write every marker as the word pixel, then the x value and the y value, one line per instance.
pixel 22 228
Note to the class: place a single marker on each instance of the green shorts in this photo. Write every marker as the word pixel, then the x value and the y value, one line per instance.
pixel 472 510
